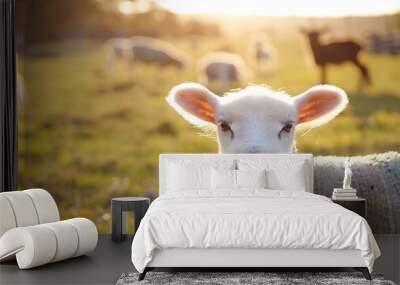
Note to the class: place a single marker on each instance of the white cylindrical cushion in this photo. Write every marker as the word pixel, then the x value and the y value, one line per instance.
pixel 33 246
pixel 67 240
pixel 45 205
pixel 45 243
pixel 7 218
pixel 87 234
pixel 23 208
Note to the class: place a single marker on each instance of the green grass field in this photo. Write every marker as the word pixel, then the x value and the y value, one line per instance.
pixel 86 137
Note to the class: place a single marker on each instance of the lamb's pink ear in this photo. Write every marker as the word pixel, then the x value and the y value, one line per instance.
pixel 194 102
pixel 319 105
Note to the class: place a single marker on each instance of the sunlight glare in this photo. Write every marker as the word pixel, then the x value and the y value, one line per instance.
pixel 126 7
pixel 282 7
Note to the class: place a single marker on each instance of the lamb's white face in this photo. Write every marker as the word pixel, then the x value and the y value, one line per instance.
pixel 256 122
pixel 257 119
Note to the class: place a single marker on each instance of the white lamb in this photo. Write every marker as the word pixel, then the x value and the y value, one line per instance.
pixel 257 119
pixel 143 49
pixel 224 68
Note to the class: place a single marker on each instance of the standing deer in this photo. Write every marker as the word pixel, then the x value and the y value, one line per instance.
pixel 335 53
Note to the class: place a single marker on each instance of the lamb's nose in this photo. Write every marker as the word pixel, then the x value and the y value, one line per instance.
pixel 254 149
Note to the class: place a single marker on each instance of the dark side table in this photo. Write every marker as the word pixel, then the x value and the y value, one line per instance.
pixel 357 205
pixel 119 207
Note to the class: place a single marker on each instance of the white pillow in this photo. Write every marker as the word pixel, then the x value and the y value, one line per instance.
pixel 251 178
pixel 184 178
pixel 223 179
pixel 188 174
pixel 282 174
pixel 229 180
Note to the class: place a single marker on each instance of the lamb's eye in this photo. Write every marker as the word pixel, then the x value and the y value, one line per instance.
pixel 286 128
pixel 225 127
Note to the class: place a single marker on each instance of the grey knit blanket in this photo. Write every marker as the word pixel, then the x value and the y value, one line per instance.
pixel 376 178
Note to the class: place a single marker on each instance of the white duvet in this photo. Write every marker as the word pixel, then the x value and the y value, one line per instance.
pixel 250 219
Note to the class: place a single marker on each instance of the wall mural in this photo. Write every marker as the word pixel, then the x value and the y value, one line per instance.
pixel 102 84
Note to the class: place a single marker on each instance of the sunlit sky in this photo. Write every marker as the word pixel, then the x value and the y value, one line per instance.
pixel 283 7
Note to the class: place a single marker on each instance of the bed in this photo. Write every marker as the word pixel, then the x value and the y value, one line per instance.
pixel 247 210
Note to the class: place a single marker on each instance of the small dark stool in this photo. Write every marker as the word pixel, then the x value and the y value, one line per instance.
pixel 357 205
pixel 119 207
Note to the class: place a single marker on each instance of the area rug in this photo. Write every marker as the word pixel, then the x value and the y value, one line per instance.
pixel 243 278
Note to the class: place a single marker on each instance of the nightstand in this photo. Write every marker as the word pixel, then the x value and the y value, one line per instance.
pixel 119 207
pixel 358 205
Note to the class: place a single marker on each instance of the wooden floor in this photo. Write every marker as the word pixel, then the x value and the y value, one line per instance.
pixel 111 259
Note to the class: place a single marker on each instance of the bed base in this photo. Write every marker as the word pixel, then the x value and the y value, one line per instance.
pixel 250 259
pixel 363 270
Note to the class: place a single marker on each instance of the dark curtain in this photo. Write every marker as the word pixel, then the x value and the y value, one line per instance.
pixel 8 108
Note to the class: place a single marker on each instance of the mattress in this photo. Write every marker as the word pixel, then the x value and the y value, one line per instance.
pixel 250 219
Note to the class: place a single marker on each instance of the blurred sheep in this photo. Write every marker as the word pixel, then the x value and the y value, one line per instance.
pixel 224 68
pixel 116 48
pixel 143 49
pixel 263 54
pixel 20 88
